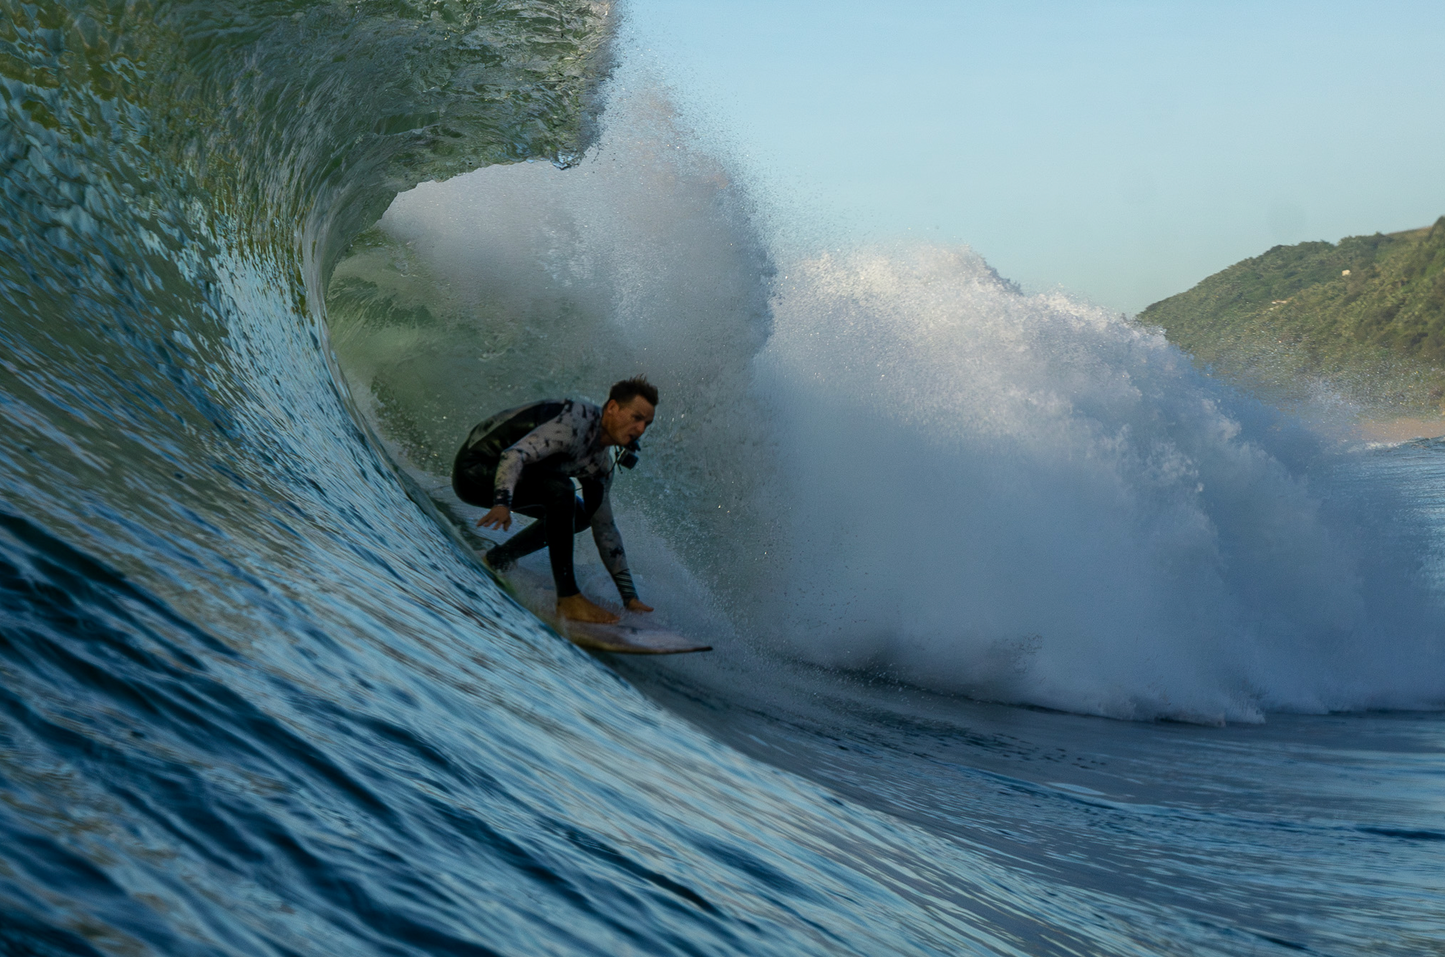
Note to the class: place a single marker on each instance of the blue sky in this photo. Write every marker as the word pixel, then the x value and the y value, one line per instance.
pixel 1121 151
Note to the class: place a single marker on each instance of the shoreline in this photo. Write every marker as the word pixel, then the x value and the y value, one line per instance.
pixel 1402 429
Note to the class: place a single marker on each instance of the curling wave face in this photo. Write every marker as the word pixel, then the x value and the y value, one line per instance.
pixel 178 178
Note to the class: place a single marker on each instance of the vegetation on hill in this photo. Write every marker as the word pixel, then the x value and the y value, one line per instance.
pixel 1364 317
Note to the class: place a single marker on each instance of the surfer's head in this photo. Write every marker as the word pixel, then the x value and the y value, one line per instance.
pixel 629 410
pixel 628 389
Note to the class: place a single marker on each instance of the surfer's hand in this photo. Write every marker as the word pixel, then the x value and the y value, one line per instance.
pixel 634 604
pixel 499 517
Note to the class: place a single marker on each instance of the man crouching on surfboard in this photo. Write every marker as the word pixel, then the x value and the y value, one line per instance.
pixel 524 460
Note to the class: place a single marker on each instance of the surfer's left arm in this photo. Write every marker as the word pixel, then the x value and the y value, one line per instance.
pixel 609 547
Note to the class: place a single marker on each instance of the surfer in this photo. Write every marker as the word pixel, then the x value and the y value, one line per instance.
pixel 524 460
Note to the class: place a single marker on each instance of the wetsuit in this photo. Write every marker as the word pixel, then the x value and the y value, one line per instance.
pixel 525 458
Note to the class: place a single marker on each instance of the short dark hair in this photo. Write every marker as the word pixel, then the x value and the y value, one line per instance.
pixel 628 389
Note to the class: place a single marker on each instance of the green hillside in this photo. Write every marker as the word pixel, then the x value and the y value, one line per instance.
pixel 1366 316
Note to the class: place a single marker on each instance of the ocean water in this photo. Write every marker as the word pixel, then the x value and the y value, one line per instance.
pixel 1030 639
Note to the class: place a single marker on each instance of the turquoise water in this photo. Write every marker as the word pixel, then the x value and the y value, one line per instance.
pixel 255 699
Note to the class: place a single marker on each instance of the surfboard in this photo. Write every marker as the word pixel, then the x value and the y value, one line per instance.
pixel 625 639
pixel 632 636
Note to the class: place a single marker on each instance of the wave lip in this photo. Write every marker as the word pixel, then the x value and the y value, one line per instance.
pixel 178 178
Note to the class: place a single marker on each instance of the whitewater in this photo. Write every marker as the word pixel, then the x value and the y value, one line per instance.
pixel 1030 638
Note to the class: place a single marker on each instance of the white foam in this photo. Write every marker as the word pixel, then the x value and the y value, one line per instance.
pixel 1026 499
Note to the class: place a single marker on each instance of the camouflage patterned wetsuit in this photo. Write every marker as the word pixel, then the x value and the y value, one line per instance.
pixel 525 458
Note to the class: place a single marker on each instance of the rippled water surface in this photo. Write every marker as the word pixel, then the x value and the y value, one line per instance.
pixel 256 697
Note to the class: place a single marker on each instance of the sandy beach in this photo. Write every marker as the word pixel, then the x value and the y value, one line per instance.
pixel 1402 429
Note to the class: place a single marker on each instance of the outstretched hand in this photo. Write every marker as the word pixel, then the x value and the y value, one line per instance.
pixel 499 517
pixel 634 604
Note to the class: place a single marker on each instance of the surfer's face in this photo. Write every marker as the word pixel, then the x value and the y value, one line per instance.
pixel 625 422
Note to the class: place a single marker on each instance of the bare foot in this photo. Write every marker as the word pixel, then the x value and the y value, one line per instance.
pixel 579 608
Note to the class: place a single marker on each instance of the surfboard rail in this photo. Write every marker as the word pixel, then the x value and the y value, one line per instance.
pixel 625 639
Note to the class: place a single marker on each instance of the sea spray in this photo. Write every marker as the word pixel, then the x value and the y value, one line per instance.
pixel 1027 499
